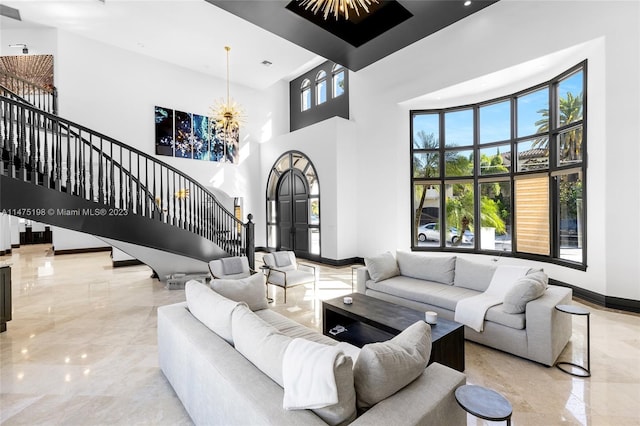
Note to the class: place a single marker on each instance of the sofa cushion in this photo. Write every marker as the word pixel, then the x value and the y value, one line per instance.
pixel 291 328
pixel 473 275
pixel 429 268
pixel 250 290
pixel 524 290
pixel 497 315
pixel 384 368
pixel 431 293
pixel 264 346
pixel 382 266
pixel 259 342
pixel 293 277
pixel 210 308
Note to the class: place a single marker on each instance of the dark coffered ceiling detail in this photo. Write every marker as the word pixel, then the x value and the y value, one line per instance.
pixel 358 29
pixel 361 41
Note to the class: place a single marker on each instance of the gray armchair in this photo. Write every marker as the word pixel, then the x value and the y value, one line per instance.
pixel 231 268
pixel 285 271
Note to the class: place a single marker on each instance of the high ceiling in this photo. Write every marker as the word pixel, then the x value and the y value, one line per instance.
pixel 193 33
pixel 363 40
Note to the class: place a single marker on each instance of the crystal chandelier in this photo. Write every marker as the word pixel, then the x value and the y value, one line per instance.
pixel 336 7
pixel 227 115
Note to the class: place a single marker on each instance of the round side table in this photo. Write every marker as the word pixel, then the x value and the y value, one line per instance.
pixel 484 403
pixel 568 367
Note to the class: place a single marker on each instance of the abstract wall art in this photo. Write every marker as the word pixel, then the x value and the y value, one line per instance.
pixel 186 135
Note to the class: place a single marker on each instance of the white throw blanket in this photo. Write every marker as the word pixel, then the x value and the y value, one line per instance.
pixel 472 310
pixel 307 375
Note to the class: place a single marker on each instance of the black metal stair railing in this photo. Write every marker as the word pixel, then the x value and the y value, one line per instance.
pixel 47 150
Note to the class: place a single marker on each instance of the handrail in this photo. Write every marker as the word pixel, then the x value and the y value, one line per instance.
pixel 44 98
pixel 21 99
pixel 99 168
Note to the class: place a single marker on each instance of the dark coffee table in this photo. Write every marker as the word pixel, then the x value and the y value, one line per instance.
pixel 369 320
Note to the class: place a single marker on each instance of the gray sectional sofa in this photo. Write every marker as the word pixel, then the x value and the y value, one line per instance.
pixel 224 362
pixel 437 283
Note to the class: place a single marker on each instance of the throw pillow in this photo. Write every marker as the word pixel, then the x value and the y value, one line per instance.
pixel 210 308
pixel 250 290
pixel 282 258
pixel 232 265
pixel 384 368
pixel 524 290
pixel 473 275
pixel 425 267
pixel 382 266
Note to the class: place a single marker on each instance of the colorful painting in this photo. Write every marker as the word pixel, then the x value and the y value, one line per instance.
pixel 183 141
pixel 217 144
pixel 232 146
pixel 186 135
pixel 164 131
pixel 200 137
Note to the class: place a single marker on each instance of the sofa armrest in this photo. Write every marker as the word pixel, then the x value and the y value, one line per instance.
pixel 309 268
pixel 361 279
pixel 548 330
pixel 428 400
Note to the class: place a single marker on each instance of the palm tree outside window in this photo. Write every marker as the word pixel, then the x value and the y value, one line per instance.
pixel 505 175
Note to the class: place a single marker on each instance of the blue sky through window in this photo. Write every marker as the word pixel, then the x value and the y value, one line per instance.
pixel 529 111
pixel 458 128
pixel 495 122
pixel 427 123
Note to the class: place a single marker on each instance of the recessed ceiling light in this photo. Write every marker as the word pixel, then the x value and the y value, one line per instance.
pixel 467 3
pixel 266 63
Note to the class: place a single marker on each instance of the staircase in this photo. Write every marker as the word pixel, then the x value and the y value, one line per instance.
pixel 60 173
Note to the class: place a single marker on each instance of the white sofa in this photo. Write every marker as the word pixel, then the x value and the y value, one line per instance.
pixel 219 385
pixel 437 283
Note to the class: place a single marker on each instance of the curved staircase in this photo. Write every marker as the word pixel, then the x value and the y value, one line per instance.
pixel 60 173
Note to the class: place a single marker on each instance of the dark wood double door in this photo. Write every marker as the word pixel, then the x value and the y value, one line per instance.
pixel 293 213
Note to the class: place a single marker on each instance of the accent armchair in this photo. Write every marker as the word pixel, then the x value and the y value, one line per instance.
pixel 285 271
pixel 230 268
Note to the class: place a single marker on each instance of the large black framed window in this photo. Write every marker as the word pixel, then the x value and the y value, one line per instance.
pixel 506 175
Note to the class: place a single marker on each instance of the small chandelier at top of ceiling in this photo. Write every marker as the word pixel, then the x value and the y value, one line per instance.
pixel 227 115
pixel 337 7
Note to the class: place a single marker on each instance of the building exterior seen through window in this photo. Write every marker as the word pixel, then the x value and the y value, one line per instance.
pixel 505 175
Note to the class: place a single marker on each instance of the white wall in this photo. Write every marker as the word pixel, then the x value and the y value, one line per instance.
pixel 330 145
pixel 39 42
pixel 15 230
pixel 5 232
pixel 66 239
pixel 114 91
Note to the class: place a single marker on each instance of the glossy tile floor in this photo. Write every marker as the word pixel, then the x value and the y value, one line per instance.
pixel 81 350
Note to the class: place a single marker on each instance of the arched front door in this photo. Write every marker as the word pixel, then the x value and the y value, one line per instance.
pixel 293 213
pixel 293 206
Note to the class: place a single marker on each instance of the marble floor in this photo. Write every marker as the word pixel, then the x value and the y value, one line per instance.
pixel 81 350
